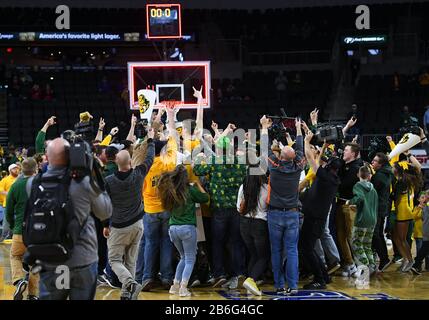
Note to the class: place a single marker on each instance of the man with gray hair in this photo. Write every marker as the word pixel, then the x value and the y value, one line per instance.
pixel 126 226
pixel 80 275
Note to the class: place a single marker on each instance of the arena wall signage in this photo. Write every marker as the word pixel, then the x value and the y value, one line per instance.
pixel 64 36
pixel 71 36
pixel 364 40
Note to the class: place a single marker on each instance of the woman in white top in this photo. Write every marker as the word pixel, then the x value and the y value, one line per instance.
pixel 252 206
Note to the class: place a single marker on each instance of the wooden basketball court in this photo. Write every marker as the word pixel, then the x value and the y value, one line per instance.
pixel 388 285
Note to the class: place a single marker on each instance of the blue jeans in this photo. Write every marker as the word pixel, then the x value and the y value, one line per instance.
pixel 184 238
pixel 140 261
pixel 226 229
pixel 419 244
pixel 157 246
pixel 326 247
pixel 83 282
pixel 283 228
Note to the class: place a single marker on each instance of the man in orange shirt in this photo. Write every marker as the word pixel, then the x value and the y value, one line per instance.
pixel 5 185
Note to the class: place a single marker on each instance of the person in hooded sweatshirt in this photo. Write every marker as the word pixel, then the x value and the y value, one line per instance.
pixel 126 225
pixel 365 199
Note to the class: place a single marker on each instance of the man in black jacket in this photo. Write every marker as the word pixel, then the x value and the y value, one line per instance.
pixel 381 180
pixel 316 207
pixel 344 219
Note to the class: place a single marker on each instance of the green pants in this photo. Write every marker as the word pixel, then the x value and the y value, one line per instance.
pixel 361 245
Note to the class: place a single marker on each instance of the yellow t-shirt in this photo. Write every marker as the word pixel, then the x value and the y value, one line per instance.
pixel 189 146
pixel 5 185
pixel 418 222
pixel 161 164
pixel 404 207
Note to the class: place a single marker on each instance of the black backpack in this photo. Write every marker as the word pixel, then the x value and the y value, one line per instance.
pixel 50 227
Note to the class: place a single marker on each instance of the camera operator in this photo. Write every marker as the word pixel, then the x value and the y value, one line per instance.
pixel 82 265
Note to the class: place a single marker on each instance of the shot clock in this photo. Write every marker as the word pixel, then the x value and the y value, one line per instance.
pixel 163 21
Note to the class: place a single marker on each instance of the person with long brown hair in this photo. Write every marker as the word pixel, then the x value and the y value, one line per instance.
pixel 408 181
pixel 252 206
pixel 178 198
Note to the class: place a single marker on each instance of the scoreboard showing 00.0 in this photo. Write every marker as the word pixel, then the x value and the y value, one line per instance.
pixel 163 21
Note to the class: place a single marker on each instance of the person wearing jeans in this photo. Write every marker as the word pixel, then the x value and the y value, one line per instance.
pixel 83 284
pixel 283 214
pixel 158 246
pixel 179 198
pixel 80 270
pixel 326 248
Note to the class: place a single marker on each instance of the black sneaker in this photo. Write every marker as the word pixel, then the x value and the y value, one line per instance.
pixel 31 297
pixel 147 285
pixel 105 278
pixel 166 284
pixel 314 286
pixel 101 281
pixel 281 291
pixel 384 265
pixel 21 285
pixel 291 292
pixel 219 282
pixel 134 289
pixel 125 296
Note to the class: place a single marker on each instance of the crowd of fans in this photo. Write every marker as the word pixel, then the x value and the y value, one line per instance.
pixel 225 215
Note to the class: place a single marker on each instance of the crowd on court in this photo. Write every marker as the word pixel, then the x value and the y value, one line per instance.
pixel 175 217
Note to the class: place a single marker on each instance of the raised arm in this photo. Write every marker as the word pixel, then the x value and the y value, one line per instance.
pixel 130 135
pixel 106 141
pixel 413 161
pixel 41 135
pixel 101 124
pixel 171 126
pixel 200 110
pixel 314 116
pixel 309 153
pixel 215 128
pixel 143 168
pixel 349 124
pixel 299 146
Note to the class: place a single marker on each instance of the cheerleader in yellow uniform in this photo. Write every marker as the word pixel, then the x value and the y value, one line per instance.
pixel 408 181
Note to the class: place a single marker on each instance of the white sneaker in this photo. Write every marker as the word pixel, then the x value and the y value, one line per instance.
pixel 403 265
pixel 184 292
pixel 174 289
pixel 408 266
pixel 349 270
pixel 231 284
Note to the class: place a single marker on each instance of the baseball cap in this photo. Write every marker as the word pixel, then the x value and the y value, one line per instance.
pixel 12 166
